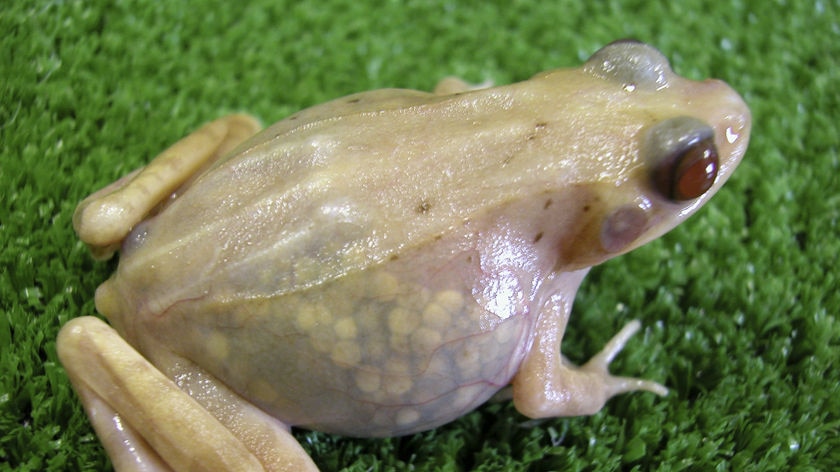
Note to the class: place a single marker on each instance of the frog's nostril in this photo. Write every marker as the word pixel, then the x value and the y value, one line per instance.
pixel 622 227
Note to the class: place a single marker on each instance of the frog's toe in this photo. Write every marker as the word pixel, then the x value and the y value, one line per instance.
pixel 599 365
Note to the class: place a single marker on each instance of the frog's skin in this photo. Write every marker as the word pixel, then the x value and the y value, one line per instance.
pixel 383 263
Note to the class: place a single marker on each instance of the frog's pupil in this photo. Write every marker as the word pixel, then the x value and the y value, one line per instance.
pixel 689 174
pixel 695 171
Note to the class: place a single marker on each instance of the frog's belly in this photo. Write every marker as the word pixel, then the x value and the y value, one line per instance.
pixel 366 355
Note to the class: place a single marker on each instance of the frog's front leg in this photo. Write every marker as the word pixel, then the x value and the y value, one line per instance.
pixel 548 385
pixel 103 219
pixel 146 422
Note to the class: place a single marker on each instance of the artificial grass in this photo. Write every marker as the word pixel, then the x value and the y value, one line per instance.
pixel 739 304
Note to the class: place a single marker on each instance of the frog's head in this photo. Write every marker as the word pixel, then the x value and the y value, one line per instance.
pixel 678 141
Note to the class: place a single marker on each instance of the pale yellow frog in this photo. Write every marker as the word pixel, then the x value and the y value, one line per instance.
pixel 383 263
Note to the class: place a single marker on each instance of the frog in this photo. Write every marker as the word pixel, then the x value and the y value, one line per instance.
pixel 383 263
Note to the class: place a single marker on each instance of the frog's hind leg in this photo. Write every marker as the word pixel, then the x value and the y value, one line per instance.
pixel 103 219
pixel 147 423
pixel 548 385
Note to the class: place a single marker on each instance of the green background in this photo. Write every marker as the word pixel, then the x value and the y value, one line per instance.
pixel 739 304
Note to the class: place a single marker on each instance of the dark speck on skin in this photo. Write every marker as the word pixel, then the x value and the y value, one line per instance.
pixel 424 207
pixel 537 129
pixel 538 237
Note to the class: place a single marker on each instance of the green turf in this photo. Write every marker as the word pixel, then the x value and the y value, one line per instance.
pixel 739 304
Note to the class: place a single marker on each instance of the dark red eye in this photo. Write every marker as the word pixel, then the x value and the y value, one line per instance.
pixel 682 157
pixel 688 174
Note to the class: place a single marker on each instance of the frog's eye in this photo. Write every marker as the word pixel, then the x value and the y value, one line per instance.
pixel 633 64
pixel 683 158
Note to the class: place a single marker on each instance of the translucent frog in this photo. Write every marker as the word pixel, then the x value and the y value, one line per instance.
pixel 383 263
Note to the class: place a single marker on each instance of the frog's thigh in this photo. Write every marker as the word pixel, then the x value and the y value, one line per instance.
pixel 450 85
pixel 126 396
pixel 547 385
pixel 103 219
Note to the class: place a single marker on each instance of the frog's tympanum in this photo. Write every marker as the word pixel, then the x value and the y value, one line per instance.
pixel 380 264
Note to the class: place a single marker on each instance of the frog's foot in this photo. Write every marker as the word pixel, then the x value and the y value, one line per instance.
pixel 548 385
pixel 103 219
pixel 147 423
pixel 599 365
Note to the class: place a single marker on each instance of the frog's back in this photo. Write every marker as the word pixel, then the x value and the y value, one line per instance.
pixel 302 204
